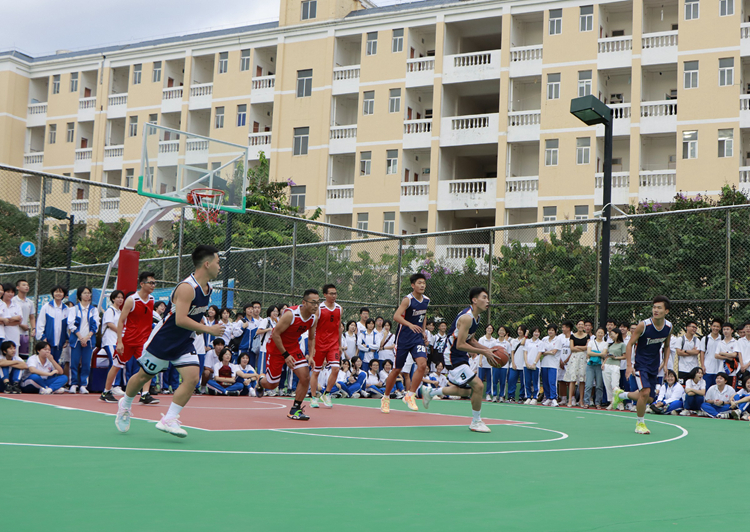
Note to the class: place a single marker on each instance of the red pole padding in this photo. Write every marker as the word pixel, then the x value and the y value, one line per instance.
pixel 127 270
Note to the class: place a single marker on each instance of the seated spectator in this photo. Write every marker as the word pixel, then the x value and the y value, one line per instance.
pixel 374 387
pixel 43 375
pixel 339 388
pixel 398 388
pixel 740 401
pixel 695 391
pixel 356 378
pixel 387 344
pixel 11 366
pixel 247 375
pixel 670 396
pixel 718 398
pixel 224 381
pixel 212 358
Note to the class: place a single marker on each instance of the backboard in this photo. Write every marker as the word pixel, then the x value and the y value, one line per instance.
pixel 175 162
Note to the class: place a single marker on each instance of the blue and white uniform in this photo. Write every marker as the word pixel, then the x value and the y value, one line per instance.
pixel 407 341
pixel 170 343
pixel 457 361
pixel 647 355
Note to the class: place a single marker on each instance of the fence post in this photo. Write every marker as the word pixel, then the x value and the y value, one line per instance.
pixel 398 273
pixel 227 254
pixel 39 234
pixel 597 294
pixel 294 257
pixel 179 245
pixel 727 281
pixel 327 253
pixel 265 262
pixel 489 274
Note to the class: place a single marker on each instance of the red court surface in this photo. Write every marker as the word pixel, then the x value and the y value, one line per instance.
pixel 244 413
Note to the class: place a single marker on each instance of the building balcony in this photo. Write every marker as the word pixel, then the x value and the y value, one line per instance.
pixel 87 109
pixel 263 88
pixel 456 254
pixel 340 199
pixel 615 52
pixel 659 186
pixel 109 210
pixel 420 72
pixel 521 192
pixel 200 96
pixel 659 48
pixel 196 151
pixel 80 208
pixel 620 120
pixel 82 162
pixel 745 39
pixel 343 139
pixel 467 194
pixel 744 110
pixel 36 114
pixel 620 188
pixel 470 129
pixel 169 151
pixel 345 80
pixel 415 197
pixel 417 133
pixel 474 66
pixel 171 100
pixel 259 142
pixel 113 157
pixel 659 117
pixel 30 208
pixel 524 125
pixel 745 179
pixel 526 61
pixel 33 161
pixel 117 105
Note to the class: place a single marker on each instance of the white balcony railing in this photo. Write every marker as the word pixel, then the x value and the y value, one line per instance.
pixel 33 158
pixel 415 189
pixel 745 30
pixel 344 132
pixel 470 122
pixel 472 59
pixel 113 151
pixel 339 192
pixel 30 208
pixel 79 205
pixel 346 73
pixel 616 44
pixel 663 178
pixel 412 127
pixel 84 154
pixel 37 108
pixel 196 145
pixel 259 139
pixel 744 102
pixel 464 251
pixel 524 118
pixel 522 184
pixel 661 39
pixel 526 53
pixel 421 64
pixel 117 99
pixel 264 82
pixel 745 174
pixel 169 146
pixel 201 89
pixel 468 186
pixel 620 110
pixel 619 180
pixel 659 108
pixel 87 103
pixel 110 204
pixel 172 93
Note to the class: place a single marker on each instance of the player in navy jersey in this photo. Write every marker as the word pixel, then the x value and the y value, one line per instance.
pixel 172 341
pixel 649 337
pixel 463 381
pixel 411 314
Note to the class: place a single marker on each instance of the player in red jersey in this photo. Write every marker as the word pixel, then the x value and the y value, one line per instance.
pixel 284 349
pixel 133 329
pixel 327 346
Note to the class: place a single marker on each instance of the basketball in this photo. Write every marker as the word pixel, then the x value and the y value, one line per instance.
pixel 502 357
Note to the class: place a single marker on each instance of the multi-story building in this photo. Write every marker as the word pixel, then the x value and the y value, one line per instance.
pixel 423 116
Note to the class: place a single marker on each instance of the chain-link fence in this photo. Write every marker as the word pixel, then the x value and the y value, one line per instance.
pixel 536 273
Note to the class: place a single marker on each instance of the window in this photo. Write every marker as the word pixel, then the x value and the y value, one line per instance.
pixel 555 21
pixel 297 198
pixel 394 101
pixel 245 60
pixel 549 215
pixel 372 43
pixel 66 185
pixel 48 186
pixel 309 9
pixel 219 118
pixel 52 133
pixel 691 74
pixel 70 136
pixel 156 74
pixel 391 162
pixel 133 129
pixel 365 161
pixel 56 84
pixel 389 222
pixel 689 144
pixel 153 118
pixel 726 8
pixel 726 142
pixel 137 74
pixel 304 83
pixel 582 213
pixel 368 103
pixel 587 18
pixel 553 86
pixel 726 72
pixel 584 83
pixel 223 62
pixel 583 150
pixel 362 219
pixel 692 10
pixel 550 152
pixel 74 82
pixel 129 177
pixel 397 43
pixel 241 115
pixel 301 139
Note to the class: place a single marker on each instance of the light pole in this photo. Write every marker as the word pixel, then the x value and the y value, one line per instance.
pixel 59 214
pixel 592 111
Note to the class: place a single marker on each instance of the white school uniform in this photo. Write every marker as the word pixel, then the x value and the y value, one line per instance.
pixel 388 352
pixel 36 363
pixel 351 345
pixel 668 394
pixel 111 315
pixel 532 350
pixel 13 332
pixel 686 364
pixel 218 366
pixel 708 347
pixel 211 359
pixel 492 342
pixel 551 361
pixel 690 384
pixel 728 347
pixel 518 353
pixel 27 309
pixel 715 394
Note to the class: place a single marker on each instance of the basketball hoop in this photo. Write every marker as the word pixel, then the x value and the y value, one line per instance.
pixel 208 202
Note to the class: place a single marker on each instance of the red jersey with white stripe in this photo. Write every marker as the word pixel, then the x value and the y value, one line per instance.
pixel 327 336
pixel 139 322
pixel 290 337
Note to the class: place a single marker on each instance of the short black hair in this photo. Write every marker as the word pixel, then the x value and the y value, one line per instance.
pixel 723 375
pixel 256 303
pixel 56 288
pixel 114 295
pixel 310 291
pixel 219 341
pixel 368 321
pixel 9 287
pixel 743 325
pixel 387 322
pixel 373 361
pixel 662 299
pixel 243 354
pixel 216 311
pixel 553 327
pixel 270 309
pixel 227 310
pixel 588 321
pixel 613 322
pixel 694 372
pixel 536 329
pixel 80 291
pixel 727 324
pixel 349 323
pixel 691 322
pixel 671 372
pixel 568 324
pixel 327 287
pixel 364 309
pixel 202 253
pixel 717 320
pixel 157 303
pixel 224 352
pixel 476 292
pixel 523 328
pixel 21 281
pixel 246 306
pixel 41 344
pixel 416 277
pixel 143 277
pixel 7 344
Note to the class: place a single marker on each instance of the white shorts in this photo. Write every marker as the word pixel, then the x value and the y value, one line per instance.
pixel 153 365
pixel 408 364
pixel 461 375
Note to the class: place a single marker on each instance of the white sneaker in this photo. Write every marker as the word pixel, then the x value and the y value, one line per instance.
pixel 648 410
pixel 84 390
pixel 251 392
pixel 685 413
pixel 59 390
pixel 45 391
pixel 426 397
pixel 122 420
pixel 723 415
pixel 73 389
pixel 533 402
pixel 554 403
pixel 574 402
pixel 172 426
pixel 479 426
pixel 527 402
pixel 546 402
pixel 621 407
pixel 488 398
pixel 609 406
pixel 117 391
pixel 563 401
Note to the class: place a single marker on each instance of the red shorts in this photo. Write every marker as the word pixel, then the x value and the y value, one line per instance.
pixel 332 356
pixel 276 363
pixel 128 352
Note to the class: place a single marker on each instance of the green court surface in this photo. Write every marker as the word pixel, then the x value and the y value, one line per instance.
pixel 559 469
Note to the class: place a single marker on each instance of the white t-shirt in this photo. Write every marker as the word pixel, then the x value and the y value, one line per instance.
pixel 728 347
pixel 343 377
pixel 3 307
pixel 109 337
pixel 266 323
pixel 595 345
pixel 674 343
pixel 371 379
pixel 246 369
pixel 27 309
pixel 715 394
pixel 388 353
pixel 744 347
pixel 517 353
pixel 565 351
pixel 532 350
pixel 12 332
pixel 492 342
pixel 686 364
pixel 708 347
pixel 690 384
pixel 212 358
pixel 351 345
pixel 361 327
pixel 551 361
pixel 218 366
pixel 474 363
pixel 35 362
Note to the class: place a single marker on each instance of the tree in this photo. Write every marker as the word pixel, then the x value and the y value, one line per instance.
pixel 16 227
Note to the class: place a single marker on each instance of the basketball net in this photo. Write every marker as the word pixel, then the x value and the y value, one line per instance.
pixel 208 202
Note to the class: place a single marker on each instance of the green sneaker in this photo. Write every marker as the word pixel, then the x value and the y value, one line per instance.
pixel 314 402
pixel 326 400
pixel 616 400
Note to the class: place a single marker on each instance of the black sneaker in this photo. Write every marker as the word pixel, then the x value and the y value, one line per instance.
pixel 108 397
pixel 298 415
pixel 147 399
pixel 259 391
pixel 234 393
pixel 16 388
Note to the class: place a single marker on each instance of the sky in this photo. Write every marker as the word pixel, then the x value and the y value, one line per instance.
pixel 41 27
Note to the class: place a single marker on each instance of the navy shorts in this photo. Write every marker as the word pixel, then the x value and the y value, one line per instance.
pixel 402 353
pixel 641 379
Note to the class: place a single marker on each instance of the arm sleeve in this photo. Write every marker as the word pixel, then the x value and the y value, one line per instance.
pixel 41 324
pixel 71 319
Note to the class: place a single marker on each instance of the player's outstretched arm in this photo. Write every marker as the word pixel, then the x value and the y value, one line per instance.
pixel 398 317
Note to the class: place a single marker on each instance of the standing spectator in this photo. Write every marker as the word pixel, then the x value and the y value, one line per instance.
pixel 245 328
pixel 43 375
pixel 356 378
pixel 226 319
pixel 367 342
pixel 611 368
pixel 11 367
pixel 517 363
pixel 65 354
pixel 531 370
pixel 695 391
pixel 386 349
pixel 109 339
pixel 588 326
pixel 595 351
pixel 224 381
pixel 212 318
pixel 379 321
pixel 718 398
pixel 728 353
pixel 485 368
pixel 83 323
pixel 549 356
pixel 364 315
pixel 12 314
pixel 500 375
pixel 743 344
pixel 565 352
pixel 670 395
pixel 373 385
pixel 740 401
pixel 429 332
pixel 265 329
pixel 439 341
pixel 53 324
pixel 709 363
pixel 3 306
pixel 399 386
pixel 28 311
pixel 350 339
pixel 687 350
pixel 575 372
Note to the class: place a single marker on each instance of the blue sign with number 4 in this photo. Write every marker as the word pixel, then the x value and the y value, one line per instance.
pixel 28 249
